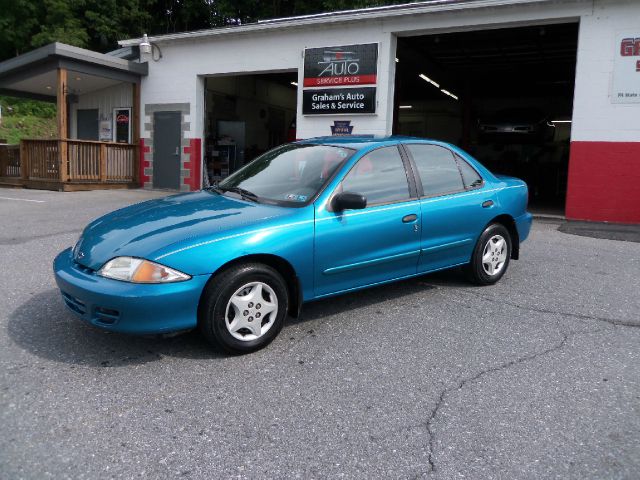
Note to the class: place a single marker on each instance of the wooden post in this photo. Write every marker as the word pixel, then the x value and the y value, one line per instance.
pixel 135 131
pixel 4 159
pixel 24 161
pixel 61 97
pixel 103 162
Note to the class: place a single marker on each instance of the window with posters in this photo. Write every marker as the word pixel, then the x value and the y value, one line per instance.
pixel 122 125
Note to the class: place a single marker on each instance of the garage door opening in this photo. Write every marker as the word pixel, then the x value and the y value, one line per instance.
pixel 246 115
pixel 503 95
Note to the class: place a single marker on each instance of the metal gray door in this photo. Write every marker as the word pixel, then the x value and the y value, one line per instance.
pixel 88 124
pixel 166 150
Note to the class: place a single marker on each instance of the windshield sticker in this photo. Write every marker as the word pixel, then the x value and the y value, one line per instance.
pixel 296 198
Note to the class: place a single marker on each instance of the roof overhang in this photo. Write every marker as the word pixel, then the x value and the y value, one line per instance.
pixel 33 74
pixel 345 16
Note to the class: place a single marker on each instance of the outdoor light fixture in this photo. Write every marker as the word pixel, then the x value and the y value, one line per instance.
pixel 446 92
pixel 397 61
pixel 427 79
pixel 405 106
pixel 295 84
pixel 147 47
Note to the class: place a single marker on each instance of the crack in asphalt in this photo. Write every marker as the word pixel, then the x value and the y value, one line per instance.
pixel 556 347
pixel 613 321
pixel 462 383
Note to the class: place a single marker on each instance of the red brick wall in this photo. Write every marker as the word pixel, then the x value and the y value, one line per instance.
pixel 604 182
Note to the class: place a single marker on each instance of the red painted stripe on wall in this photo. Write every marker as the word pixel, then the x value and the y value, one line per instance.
pixel 194 165
pixel 604 182
pixel 143 163
pixel 343 80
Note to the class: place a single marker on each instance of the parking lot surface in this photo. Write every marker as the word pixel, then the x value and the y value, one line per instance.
pixel 537 377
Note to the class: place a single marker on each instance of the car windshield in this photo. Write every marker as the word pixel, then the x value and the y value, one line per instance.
pixel 288 175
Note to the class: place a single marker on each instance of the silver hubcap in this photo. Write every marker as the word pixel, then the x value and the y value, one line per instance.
pixel 251 311
pixel 494 255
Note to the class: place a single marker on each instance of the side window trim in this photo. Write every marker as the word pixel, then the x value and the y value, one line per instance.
pixel 410 171
pixel 411 185
pixel 417 174
pixel 414 169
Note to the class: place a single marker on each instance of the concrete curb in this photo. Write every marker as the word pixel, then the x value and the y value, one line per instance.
pixel 608 231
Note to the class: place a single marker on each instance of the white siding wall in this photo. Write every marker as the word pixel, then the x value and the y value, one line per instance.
pixel 595 118
pixel 105 100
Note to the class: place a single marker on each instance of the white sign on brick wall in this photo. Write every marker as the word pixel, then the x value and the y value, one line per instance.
pixel 626 69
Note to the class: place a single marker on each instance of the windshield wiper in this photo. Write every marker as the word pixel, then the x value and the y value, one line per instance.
pixel 245 194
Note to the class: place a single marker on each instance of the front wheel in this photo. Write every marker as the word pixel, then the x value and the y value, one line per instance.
pixel 244 308
pixel 491 255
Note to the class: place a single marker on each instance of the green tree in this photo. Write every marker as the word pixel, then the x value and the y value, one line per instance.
pixel 18 21
pixel 107 21
pixel 99 24
pixel 62 23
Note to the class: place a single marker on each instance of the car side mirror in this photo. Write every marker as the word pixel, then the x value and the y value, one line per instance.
pixel 349 201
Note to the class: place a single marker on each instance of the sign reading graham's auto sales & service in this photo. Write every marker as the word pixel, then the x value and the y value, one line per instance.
pixel 343 66
pixel 339 100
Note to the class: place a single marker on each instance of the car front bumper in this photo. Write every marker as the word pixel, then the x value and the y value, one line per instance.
pixel 127 307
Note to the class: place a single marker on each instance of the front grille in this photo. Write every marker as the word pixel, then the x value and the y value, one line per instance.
pixel 83 269
pixel 106 316
pixel 74 304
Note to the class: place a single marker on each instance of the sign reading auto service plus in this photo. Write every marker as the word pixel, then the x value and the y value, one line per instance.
pixel 626 70
pixel 337 79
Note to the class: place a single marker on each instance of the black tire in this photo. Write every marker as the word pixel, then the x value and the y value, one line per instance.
pixel 217 295
pixel 475 270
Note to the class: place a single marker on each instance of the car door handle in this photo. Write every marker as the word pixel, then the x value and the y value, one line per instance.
pixel 487 204
pixel 409 218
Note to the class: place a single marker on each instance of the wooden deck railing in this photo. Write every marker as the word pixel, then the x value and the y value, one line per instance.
pixel 10 161
pixel 69 161
pixel 100 161
pixel 39 159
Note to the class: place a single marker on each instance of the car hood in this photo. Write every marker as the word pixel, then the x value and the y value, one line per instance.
pixel 143 229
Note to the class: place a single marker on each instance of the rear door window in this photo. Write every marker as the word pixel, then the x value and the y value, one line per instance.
pixel 437 169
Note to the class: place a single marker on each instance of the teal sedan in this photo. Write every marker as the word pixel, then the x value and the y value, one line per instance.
pixel 304 221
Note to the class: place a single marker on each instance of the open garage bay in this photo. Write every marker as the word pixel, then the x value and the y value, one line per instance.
pixel 505 95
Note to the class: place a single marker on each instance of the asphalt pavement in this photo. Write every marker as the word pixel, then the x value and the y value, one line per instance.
pixel 537 377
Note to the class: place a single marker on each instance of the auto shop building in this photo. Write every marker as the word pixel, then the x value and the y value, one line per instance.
pixel 547 90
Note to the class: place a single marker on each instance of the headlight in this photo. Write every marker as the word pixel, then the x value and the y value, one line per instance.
pixel 137 270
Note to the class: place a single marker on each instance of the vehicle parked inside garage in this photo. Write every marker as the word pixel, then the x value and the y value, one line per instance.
pixel 304 221
pixel 520 124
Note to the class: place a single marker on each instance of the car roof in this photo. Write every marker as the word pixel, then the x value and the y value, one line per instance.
pixel 359 142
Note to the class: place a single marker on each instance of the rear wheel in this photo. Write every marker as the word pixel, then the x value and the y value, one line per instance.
pixel 491 255
pixel 244 308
